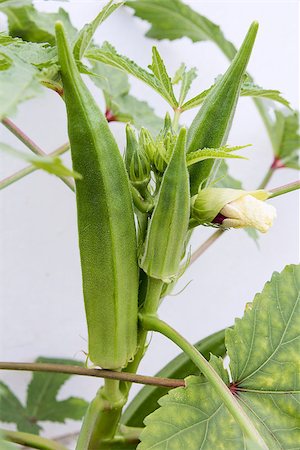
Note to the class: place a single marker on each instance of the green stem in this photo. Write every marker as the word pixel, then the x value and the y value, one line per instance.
pixel 102 417
pixel 140 203
pixel 267 178
pixel 32 146
pixel 30 440
pixel 175 124
pixel 284 189
pixel 98 373
pixel 27 170
pixel 153 323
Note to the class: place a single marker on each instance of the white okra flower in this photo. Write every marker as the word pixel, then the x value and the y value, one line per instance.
pixel 233 208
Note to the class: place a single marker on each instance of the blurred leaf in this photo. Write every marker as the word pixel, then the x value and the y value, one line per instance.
pixel 31 25
pixel 41 403
pixel 172 19
pixel 113 82
pixel 123 106
pixel 187 78
pixel 253 90
pixel 18 82
pixel 51 164
pixel 225 180
pixel 39 55
pixel 42 392
pixel 127 108
pixel 12 411
pixel 263 348
pixel 286 138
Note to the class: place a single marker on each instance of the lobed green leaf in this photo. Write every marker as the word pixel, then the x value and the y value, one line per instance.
pixel 263 350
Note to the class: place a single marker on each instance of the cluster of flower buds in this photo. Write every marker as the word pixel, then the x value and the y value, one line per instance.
pixel 233 208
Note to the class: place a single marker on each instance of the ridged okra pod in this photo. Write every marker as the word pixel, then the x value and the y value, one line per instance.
pixel 107 237
pixel 211 126
pixel 164 245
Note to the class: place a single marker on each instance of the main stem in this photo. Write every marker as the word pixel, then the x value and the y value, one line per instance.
pixel 153 323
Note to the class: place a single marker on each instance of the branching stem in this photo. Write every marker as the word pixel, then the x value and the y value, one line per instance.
pixel 100 373
pixel 14 129
pixel 30 440
pixel 153 323
pixel 27 170
pixel 284 189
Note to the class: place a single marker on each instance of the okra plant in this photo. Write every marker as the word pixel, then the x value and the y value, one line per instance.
pixel 136 213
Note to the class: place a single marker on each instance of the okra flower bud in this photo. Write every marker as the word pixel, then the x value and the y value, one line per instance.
pixel 233 208
pixel 136 160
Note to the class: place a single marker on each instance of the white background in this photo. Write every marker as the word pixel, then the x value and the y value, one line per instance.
pixel 41 301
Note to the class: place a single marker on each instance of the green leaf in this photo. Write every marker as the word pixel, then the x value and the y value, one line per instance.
pixel 107 54
pixel 18 82
pixel 248 89
pixel 172 19
pixel 264 360
pixel 159 70
pixel 39 55
pixel 86 34
pixel 51 164
pixel 187 79
pixel 213 153
pixel 146 401
pixel 113 82
pixel 253 90
pixel 12 411
pixel 31 25
pixel 42 392
pixel 286 138
pixel 24 65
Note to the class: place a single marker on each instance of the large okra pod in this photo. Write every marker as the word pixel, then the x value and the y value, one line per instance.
pixel 212 124
pixel 168 226
pixel 106 229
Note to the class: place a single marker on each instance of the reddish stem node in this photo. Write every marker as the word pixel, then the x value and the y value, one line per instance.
pixel 234 388
pixel 110 117
pixel 277 163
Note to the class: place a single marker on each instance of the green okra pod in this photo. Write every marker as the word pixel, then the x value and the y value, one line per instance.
pixel 211 126
pixel 107 236
pixel 168 226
